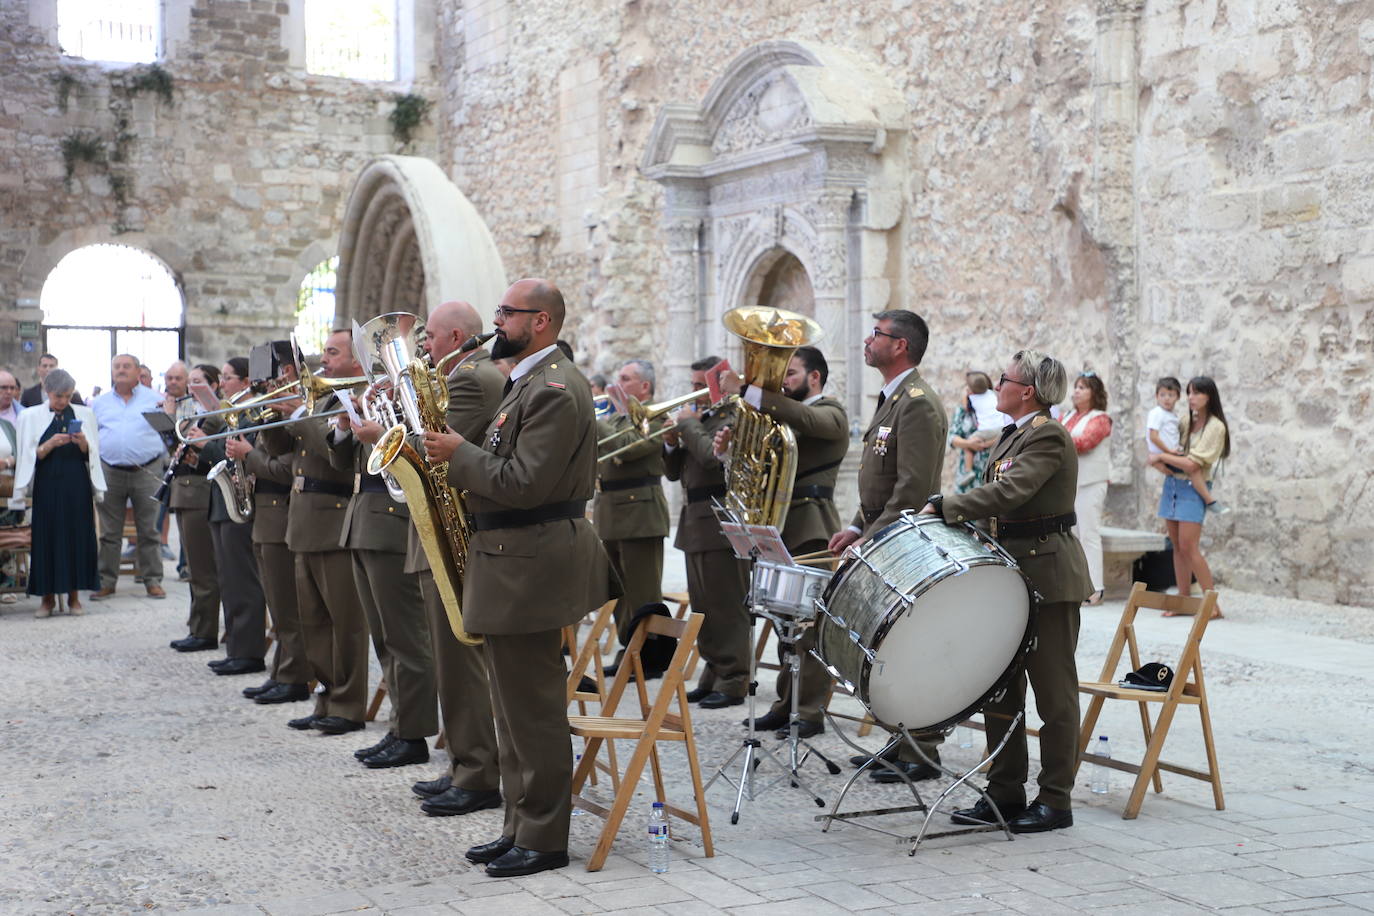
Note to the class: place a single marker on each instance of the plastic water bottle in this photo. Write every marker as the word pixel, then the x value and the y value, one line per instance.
pixel 658 839
pixel 577 762
pixel 1102 776
pixel 965 735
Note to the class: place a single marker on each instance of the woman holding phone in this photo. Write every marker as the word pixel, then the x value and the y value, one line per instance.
pixel 59 465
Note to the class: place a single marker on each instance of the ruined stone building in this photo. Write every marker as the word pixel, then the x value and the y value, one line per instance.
pixel 1140 187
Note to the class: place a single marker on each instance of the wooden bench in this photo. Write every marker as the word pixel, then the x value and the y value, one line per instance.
pixel 1121 547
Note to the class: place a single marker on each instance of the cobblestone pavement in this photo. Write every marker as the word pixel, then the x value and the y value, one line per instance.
pixel 134 779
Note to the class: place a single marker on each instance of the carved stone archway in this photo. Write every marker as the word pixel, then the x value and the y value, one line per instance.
pixel 411 240
pixel 798 149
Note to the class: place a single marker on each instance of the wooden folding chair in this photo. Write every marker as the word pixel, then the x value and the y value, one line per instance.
pixel 684 607
pixel 587 656
pixel 1187 689
pixel 376 703
pixel 667 718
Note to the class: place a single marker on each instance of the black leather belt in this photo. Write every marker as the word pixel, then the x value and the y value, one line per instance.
pixel 1034 527
pixel 369 483
pixel 130 467
pixel 521 518
pixel 701 494
pixel 271 488
pixel 315 485
pixel 812 492
pixel 628 483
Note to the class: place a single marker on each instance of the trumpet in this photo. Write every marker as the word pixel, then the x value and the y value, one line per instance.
pixel 258 412
pixel 641 417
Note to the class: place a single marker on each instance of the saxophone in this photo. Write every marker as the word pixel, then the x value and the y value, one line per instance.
pixel 436 508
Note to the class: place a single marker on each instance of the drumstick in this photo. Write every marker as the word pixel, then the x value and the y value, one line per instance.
pixel 819 561
pixel 812 555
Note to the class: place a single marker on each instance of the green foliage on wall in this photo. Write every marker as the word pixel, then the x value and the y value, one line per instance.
pixel 407 116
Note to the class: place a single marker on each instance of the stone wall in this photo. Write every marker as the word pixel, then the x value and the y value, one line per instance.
pixel 238 185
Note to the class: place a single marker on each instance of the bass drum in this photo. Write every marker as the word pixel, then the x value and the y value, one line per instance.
pixel 925 622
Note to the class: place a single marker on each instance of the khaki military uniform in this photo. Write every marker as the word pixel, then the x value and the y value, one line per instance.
pixel 375 529
pixel 717 581
pixel 904 453
pixel 190 501
pixel 631 516
pixel 245 606
pixel 460 671
pixel 1032 474
pixel 276 563
pixel 534 566
pixel 822 431
pixel 332 617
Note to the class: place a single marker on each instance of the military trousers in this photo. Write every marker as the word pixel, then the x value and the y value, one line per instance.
pixel 395 613
pixel 639 564
pixel 718 583
pixel 815 682
pixel 194 525
pixel 136 488
pixel 1053 676
pixel 245 607
pixel 460 672
pixel 529 696
pixel 335 631
pixel 277 571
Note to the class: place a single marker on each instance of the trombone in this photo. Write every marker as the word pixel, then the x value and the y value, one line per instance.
pixel 641 415
pixel 312 390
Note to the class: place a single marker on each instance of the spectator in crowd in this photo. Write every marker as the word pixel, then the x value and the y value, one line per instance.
pixel 145 375
pixel 10 408
pixel 1205 441
pixel 598 383
pixel 1090 427
pixel 132 458
pixel 60 465
pixel 965 435
pixel 34 396
pixel 9 458
pixel 1161 425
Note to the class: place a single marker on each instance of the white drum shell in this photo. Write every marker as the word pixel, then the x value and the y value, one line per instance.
pixel 788 591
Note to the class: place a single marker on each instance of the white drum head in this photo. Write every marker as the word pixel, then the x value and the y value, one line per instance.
pixel 941 657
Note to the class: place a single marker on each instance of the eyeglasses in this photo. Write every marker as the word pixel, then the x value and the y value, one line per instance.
pixel 9 387
pixel 878 333
pixel 1003 380
pixel 505 311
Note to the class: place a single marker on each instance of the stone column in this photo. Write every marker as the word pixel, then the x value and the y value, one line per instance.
pixel 831 282
pixel 1115 94
pixel 681 283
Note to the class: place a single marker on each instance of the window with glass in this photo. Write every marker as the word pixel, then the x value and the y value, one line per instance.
pixel 315 306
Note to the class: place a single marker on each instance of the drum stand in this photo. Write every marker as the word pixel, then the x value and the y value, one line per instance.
pixel 900 735
pixel 752 748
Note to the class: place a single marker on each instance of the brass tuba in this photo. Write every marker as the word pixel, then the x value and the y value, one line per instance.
pixel 420 396
pixel 762 463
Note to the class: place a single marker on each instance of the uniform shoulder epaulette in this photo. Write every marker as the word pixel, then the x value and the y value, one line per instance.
pixel 1039 421
pixel 553 376
pixel 468 366
pixel 915 392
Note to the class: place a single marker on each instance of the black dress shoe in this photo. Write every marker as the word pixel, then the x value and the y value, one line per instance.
pixel 336 725
pixel 768 721
pixel 715 700
pixel 456 800
pixel 251 692
pixel 805 729
pixel 366 752
pixel 697 694
pixel 1039 817
pixel 859 760
pixel 218 663
pixel 429 788
pixel 194 644
pixel 613 667
pixel 241 666
pixel 981 814
pixel 916 772
pixel 490 852
pixel 283 693
pixel 301 724
pixel 521 861
pixel 400 753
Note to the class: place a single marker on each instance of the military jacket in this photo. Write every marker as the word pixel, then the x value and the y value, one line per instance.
pixel 314 519
pixel 630 512
pixel 539 450
pixel 1032 474
pixel 189 488
pixel 903 455
pixel 695 464
pixel 269 509
pixel 373 520
pixel 822 431
pixel 475 389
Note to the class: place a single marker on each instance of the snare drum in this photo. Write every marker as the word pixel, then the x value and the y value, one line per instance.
pixel 788 591
pixel 925 622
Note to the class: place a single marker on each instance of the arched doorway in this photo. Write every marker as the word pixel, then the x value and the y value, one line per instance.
pixel 106 299
pixel 781 281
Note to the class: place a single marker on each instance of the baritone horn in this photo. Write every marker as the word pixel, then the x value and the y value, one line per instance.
pixel 641 420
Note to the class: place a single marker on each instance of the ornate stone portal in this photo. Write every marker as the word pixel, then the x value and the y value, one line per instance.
pixel 783 186
pixel 410 241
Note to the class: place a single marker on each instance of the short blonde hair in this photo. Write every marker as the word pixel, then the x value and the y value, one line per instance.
pixel 1044 373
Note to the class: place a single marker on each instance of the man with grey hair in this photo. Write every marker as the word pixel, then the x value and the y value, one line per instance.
pixel 631 513
pixel 10 408
pixel 1029 487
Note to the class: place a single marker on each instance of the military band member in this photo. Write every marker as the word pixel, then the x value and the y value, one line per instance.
pixel 289 674
pixel 534 566
pixel 717 580
pixel 903 454
pixel 375 529
pixel 822 430
pixel 472 780
pixel 630 512
pixel 1030 484
pixel 332 617
pixel 189 500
